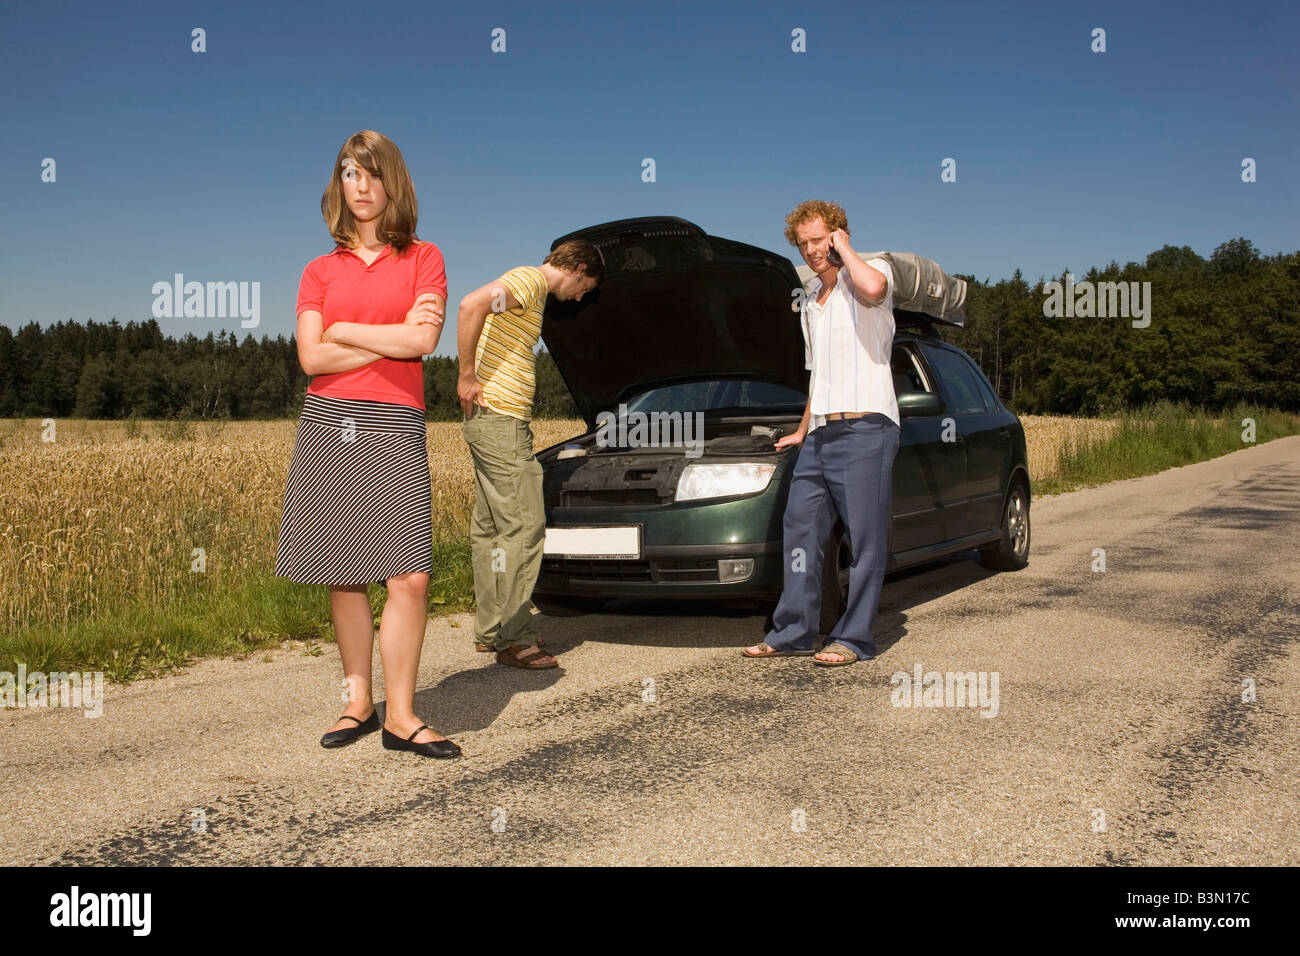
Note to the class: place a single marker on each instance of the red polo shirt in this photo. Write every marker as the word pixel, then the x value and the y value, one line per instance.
pixel 342 288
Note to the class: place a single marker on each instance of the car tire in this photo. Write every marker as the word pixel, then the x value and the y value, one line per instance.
pixel 1011 551
pixel 567 606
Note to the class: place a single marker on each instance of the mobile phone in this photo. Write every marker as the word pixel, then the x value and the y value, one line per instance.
pixel 833 257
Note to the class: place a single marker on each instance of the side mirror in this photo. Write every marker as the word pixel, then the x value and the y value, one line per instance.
pixel 918 404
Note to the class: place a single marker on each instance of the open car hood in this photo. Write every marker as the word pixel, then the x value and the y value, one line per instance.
pixel 674 305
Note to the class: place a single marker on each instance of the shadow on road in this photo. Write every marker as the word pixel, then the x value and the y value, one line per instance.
pixel 473 699
pixel 902 591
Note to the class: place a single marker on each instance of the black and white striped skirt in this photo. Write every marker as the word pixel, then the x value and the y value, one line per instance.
pixel 357 504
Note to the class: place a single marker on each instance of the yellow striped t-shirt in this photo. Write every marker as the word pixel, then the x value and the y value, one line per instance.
pixel 504 360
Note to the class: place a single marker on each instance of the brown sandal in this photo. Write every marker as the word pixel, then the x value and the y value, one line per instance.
pixel 528 657
pixel 842 651
pixel 773 652
pixel 488 648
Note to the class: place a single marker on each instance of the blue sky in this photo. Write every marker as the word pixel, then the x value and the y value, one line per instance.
pixel 212 164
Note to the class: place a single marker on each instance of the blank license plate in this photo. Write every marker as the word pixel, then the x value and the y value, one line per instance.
pixel 593 542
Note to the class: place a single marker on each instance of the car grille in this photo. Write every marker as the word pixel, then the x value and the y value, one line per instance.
pixel 615 496
pixel 688 571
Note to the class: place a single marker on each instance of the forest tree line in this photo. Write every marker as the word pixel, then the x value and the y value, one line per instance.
pixel 1222 330
pixel 110 370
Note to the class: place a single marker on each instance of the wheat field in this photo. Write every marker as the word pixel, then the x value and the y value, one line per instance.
pixel 1047 436
pixel 113 515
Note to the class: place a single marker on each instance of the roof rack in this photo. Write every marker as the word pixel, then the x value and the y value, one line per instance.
pixel 917 321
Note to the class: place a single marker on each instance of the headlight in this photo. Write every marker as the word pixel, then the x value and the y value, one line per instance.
pixel 719 481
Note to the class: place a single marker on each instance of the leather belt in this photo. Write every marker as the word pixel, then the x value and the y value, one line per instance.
pixel 840 416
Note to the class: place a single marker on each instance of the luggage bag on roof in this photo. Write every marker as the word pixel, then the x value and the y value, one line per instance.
pixel 920 285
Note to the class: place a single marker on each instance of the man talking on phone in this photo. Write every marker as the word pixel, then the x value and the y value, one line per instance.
pixel 848 439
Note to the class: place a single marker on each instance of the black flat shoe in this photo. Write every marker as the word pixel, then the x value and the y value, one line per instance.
pixel 442 749
pixel 337 738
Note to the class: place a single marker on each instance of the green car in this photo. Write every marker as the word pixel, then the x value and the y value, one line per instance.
pixel 687 363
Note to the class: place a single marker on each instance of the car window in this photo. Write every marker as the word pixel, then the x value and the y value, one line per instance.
pixel 725 393
pixel 959 381
pixel 991 402
pixel 768 393
pixel 907 375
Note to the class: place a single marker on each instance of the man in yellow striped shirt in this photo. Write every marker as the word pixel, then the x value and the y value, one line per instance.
pixel 497 328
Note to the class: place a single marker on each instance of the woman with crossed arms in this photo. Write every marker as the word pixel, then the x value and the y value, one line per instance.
pixel 357 503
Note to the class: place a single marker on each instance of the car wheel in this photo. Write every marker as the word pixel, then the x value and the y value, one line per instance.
pixel 1011 551
pixel 566 606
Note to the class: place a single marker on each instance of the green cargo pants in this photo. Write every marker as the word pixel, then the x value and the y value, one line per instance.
pixel 508 527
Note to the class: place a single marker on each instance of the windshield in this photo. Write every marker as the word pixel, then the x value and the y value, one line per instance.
pixel 710 396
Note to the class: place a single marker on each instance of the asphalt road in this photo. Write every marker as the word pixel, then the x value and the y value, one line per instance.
pixel 1120 736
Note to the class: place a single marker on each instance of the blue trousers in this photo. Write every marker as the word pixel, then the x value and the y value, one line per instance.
pixel 845 469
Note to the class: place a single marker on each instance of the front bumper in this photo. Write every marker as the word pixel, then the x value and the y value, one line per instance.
pixel 669 571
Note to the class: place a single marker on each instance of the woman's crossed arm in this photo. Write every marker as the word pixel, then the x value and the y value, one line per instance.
pixel 348 345
pixel 416 336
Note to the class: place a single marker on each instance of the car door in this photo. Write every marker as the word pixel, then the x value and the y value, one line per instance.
pixel 988 459
pixel 981 429
pixel 929 473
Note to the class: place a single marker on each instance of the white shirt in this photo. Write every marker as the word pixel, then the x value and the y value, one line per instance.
pixel 847 346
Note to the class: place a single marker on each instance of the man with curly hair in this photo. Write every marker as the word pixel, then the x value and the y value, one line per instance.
pixel 848 439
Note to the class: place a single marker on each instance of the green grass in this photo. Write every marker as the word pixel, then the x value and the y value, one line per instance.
pixel 1152 439
pixel 259 613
